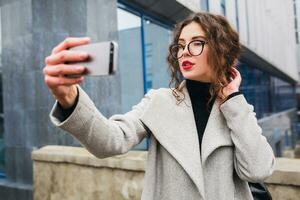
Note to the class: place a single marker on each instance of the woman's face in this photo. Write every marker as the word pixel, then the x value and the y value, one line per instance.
pixel 194 67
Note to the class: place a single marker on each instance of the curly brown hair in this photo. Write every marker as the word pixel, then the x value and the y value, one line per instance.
pixel 224 45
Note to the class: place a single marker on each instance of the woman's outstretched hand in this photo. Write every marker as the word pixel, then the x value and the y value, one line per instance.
pixel 64 88
pixel 233 86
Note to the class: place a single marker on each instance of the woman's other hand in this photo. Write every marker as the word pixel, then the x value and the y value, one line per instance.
pixel 233 86
pixel 56 70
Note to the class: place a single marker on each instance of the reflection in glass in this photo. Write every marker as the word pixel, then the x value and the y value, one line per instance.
pixel 130 62
pixel 268 94
pixel 130 59
pixel 138 53
pixel 285 95
pixel 157 40
pixel 2 146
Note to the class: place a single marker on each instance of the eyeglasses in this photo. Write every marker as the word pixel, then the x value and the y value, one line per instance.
pixel 195 48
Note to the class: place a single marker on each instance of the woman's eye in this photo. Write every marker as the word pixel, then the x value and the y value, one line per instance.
pixel 197 43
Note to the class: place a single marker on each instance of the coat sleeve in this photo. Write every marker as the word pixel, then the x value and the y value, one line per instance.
pixel 101 136
pixel 253 156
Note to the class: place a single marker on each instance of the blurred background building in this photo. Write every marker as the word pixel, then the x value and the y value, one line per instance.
pixel 269 32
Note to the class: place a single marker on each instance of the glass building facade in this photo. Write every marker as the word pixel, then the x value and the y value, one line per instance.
pixel 268 94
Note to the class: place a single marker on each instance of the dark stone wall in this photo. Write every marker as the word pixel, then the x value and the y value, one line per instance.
pixel 30 29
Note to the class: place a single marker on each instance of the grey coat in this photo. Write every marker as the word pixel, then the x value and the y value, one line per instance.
pixel 233 148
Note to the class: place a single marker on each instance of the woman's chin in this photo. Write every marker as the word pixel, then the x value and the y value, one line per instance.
pixel 194 77
pixel 189 75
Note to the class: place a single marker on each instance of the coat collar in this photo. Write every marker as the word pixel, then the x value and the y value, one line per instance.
pixel 173 125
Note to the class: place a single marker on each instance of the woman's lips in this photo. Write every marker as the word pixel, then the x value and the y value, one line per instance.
pixel 187 65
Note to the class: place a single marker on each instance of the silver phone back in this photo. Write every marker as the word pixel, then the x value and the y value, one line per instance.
pixel 103 58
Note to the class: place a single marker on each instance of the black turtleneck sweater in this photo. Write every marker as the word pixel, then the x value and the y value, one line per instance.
pixel 199 95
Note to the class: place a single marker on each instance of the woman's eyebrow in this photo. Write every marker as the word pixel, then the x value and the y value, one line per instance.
pixel 193 38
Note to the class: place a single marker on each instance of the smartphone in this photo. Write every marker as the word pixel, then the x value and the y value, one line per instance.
pixel 102 60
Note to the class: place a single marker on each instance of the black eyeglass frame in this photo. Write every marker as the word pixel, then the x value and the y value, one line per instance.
pixel 188 46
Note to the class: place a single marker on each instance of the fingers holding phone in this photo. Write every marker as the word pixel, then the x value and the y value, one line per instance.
pixel 56 69
pixel 75 57
pixel 56 63
pixel 69 43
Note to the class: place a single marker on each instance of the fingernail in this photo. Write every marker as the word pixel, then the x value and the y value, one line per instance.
pixel 47 60
pixel 79 67
pixel 84 55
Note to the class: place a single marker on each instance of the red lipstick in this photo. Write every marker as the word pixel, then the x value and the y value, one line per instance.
pixel 187 65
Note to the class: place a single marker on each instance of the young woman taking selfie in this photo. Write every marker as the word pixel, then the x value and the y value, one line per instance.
pixel 205 142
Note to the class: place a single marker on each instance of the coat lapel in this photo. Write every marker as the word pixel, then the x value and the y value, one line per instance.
pixel 216 133
pixel 174 128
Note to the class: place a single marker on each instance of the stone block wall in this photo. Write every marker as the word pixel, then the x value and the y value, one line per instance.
pixel 284 184
pixel 72 173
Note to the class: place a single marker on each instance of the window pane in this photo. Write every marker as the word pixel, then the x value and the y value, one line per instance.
pixel 2 160
pixel 157 40
pixel 284 93
pixel 204 5
pixel 268 94
pixel 130 62
pixel 256 88
pixel 1 129
pixel 130 59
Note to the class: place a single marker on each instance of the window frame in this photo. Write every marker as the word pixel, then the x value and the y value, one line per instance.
pixel 144 16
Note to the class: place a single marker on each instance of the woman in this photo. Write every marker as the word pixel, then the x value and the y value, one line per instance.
pixel 205 142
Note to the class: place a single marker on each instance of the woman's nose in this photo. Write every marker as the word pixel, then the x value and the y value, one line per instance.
pixel 185 51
